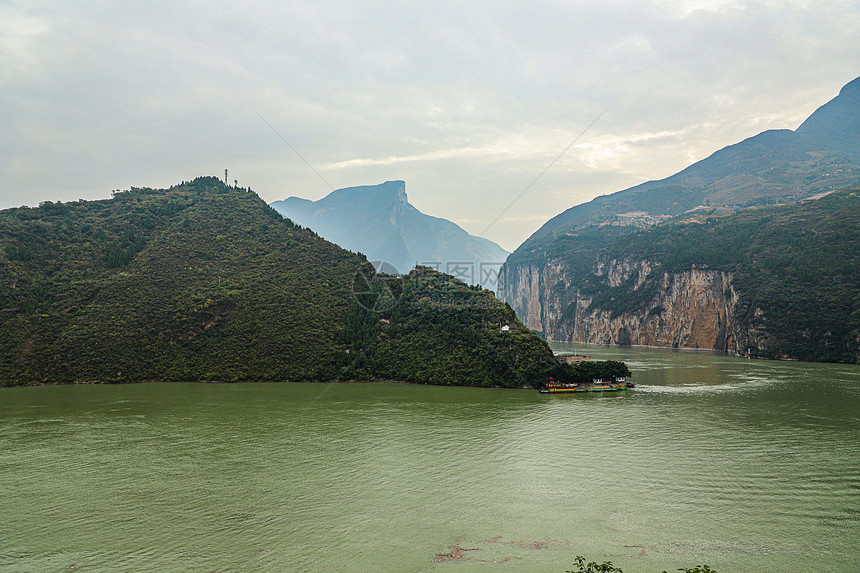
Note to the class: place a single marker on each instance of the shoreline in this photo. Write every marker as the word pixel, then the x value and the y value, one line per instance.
pixel 684 348
pixel 252 381
pixel 598 345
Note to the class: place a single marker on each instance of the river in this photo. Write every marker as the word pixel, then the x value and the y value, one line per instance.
pixel 749 466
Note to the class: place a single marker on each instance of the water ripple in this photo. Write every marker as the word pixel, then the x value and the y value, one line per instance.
pixel 708 461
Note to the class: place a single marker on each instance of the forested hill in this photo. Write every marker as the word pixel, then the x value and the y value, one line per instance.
pixel 792 287
pixel 542 277
pixel 775 166
pixel 206 282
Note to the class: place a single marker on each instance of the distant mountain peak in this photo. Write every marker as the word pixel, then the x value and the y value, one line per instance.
pixel 821 155
pixel 836 124
pixel 851 89
pixel 379 221
pixel 390 192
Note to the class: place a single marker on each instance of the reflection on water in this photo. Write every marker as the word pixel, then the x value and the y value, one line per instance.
pixel 747 465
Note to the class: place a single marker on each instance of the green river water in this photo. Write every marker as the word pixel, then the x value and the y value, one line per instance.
pixel 748 466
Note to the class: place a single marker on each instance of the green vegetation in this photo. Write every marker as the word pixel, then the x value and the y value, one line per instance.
pixel 205 282
pixel 587 371
pixel 795 270
pixel 608 567
pixel 593 566
pixel 796 277
pixel 198 282
pixel 396 321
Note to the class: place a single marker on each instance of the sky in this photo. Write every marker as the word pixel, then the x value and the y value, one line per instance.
pixel 498 115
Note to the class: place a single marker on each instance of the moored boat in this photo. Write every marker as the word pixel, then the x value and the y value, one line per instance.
pixel 615 384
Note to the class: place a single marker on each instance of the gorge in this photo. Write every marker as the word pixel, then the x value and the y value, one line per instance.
pixel 752 249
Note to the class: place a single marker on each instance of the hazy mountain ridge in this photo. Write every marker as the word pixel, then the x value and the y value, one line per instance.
pixel 835 125
pixel 773 166
pixel 546 278
pixel 379 221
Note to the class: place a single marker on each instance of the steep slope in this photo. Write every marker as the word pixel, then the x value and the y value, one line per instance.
pixel 781 282
pixel 206 282
pixel 836 124
pixel 379 221
pixel 773 166
pixel 401 320
pixel 542 275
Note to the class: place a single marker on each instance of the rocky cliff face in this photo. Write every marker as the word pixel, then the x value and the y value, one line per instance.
pixel 688 309
pixel 788 298
pixel 538 293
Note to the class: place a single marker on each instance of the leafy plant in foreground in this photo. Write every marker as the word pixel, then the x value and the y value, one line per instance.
pixel 593 567
pixel 608 567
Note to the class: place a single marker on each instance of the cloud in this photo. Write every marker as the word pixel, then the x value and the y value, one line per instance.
pixel 467 102
pixel 19 35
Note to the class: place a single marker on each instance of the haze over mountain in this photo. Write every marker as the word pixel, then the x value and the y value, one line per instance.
pixel 836 124
pixel 545 276
pixel 438 95
pixel 775 166
pixel 379 221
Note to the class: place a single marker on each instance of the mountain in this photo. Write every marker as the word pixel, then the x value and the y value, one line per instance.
pixel 379 221
pixel 775 166
pixel 777 282
pixel 206 282
pixel 836 124
pixel 543 277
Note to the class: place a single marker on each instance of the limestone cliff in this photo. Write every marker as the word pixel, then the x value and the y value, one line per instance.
pixel 538 293
pixel 687 309
pixel 703 258
pixel 781 282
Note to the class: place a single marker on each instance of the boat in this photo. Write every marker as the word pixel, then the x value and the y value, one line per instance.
pixel 614 384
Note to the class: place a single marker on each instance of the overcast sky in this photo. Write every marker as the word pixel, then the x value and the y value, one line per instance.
pixel 468 102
